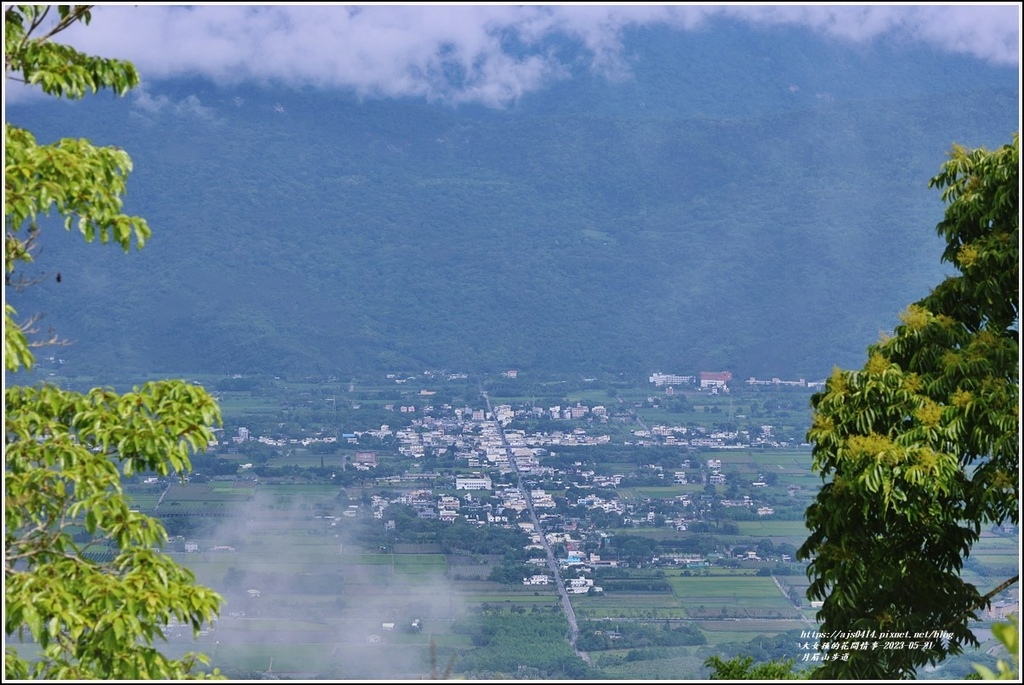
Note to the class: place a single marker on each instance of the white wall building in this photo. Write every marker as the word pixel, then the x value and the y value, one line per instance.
pixel 477 483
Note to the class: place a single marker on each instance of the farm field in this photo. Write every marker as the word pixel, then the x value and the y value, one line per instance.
pixel 647 606
pixel 744 597
pixel 316 586
pixel 322 596
pixel 666 664
pixel 301 611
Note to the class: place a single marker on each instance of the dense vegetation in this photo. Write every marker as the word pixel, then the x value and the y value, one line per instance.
pixel 920 449
pixel 657 223
pixel 83 575
pixel 920 443
pixel 507 640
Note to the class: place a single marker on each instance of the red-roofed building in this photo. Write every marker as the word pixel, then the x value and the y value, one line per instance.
pixel 714 379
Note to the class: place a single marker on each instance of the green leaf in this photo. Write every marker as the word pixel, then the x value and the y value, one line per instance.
pixel 92 620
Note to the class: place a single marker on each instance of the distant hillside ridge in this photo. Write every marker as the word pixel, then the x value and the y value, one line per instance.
pixel 773 227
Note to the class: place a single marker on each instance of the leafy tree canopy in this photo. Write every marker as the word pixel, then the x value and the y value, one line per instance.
pixel 744 668
pixel 920 448
pixel 1008 635
pixel 65 451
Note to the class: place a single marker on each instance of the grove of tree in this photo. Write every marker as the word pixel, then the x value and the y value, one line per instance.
pixel 920 449
pixel 84 577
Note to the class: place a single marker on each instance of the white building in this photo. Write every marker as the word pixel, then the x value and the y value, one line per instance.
pixel 477 483
pixel 538 579
pixel 580 586
pixel 660 379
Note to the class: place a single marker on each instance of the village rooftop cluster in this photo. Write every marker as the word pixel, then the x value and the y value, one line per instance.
pixel 498 464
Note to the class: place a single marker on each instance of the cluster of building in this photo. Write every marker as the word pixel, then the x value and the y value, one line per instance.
pixel 719 380
pixel 707 380
pixel 799 383
pixel 484 442
pixel 501 504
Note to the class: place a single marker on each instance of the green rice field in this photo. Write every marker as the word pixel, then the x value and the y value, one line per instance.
pixel 323 598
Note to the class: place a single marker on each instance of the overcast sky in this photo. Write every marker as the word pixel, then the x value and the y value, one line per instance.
pixel 393 50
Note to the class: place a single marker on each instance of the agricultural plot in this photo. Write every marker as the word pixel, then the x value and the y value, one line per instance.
pixel 369 559
pixel 779 532
pixel 628 606
pixel 304 458
pixel 144 502
pixel 743 597
pixel 403 568
pixel 312 583
pixel 722 632
pixel 768 527
pixel 998 551
pixel 300 493
pixel 197 502
pixel 793 459
pixel 609 467
pixel 995 560
pixel 237 405
pixel 419 564
pixel 665 665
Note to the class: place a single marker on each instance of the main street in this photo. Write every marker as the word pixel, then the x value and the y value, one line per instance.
pixel 570 613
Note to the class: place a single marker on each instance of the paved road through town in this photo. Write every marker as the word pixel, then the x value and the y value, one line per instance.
pixel 570 613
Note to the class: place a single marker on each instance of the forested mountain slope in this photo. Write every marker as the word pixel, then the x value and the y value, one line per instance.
pixel 733 204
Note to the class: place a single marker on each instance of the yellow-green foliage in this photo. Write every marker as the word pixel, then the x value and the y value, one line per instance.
pixel 1009 635
pixel 65 451
pixel 920 448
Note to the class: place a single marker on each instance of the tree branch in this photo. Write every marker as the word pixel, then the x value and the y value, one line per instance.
pixel 1002 586
pixel 37 21
pixel 74 15
pixel 984 600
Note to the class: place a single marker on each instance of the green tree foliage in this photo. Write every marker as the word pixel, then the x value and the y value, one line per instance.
pixel 1008 635
pixel 920 448
pixel 508 641
pixel 65 451
pixel 629 635
pixel 743 668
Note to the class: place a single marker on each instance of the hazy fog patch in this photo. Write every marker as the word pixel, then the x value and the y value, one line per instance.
pixel 292 581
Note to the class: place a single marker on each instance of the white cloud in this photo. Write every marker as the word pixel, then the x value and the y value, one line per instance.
pixel 153 106
pixel 987 31
pixel 150 104
pixel 460 53
pixel 191 106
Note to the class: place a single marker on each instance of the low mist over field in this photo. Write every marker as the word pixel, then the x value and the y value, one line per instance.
pixel 289 577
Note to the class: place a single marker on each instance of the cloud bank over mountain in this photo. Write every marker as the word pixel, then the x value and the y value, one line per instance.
pixel 491 54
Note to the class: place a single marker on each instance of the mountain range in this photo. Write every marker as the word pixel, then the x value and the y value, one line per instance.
pixel 738 201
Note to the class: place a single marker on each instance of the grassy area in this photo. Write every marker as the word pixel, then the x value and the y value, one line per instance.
pixel 300 492
pixel 737 587
pixel 144 503
pixel 659 492
pixel 366 559
pixel 205 493
pixel 666 668
pixel 792 532
pixel 723 632
pixel 423 561
pixel 659 613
